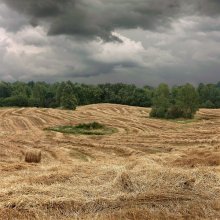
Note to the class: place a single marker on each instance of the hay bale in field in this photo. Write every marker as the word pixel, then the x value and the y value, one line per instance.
pixel 33 157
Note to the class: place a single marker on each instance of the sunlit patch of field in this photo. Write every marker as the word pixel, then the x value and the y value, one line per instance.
pixel 148 169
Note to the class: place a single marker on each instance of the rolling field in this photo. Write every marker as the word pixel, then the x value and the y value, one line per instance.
pixel 149 169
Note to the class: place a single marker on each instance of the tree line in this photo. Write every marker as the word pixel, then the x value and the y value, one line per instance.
pixel 67 94
pixel 164 100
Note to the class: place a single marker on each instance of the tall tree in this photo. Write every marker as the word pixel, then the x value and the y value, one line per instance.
pixel 187 100
pixel 5 90
pixel 39 93
pixel 68 99
pixel 161 101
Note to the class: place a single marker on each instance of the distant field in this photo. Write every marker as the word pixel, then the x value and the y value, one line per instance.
pixel 148 169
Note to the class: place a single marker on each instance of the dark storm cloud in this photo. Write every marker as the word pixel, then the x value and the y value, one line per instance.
pixel 39 8
pixel 97 18
pixel 161 40
pixel 207 7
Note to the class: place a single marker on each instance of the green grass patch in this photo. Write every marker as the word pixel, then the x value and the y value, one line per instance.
pixel 180 120
pixel 93 128
pixel 186 121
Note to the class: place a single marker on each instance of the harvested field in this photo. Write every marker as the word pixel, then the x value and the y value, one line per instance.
pixel 148 169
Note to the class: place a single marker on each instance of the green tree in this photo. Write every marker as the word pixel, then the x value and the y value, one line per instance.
pixel 209 95
pixel 16 101
pixel 187 100
pixel 20 89
pixel 68 99
pixel 161 101
pixel 208 104
pixel 59 91
pixel 5 90
pixel 39 93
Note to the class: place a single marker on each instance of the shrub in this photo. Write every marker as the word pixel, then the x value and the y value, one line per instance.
pixel 18 101
pixel 174 112
pixel 208 104
pixel 33 102
pixel 90 126
pixel 159 112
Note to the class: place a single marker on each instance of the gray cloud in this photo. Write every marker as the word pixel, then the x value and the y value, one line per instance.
pixel 40 8
pixel 95 18
pixel 11 20
pixel 171 40
pixel 98 18
pixel 207 7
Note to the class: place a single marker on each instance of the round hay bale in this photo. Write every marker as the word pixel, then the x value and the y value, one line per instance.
pixel 33 157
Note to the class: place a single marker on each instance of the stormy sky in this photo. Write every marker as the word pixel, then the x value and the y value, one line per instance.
pixel 98 41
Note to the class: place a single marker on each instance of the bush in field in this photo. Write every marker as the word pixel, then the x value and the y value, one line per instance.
pixel 174 112
pixel 90 126
pixel 181 102
pixel 187 100
pixel 161 101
